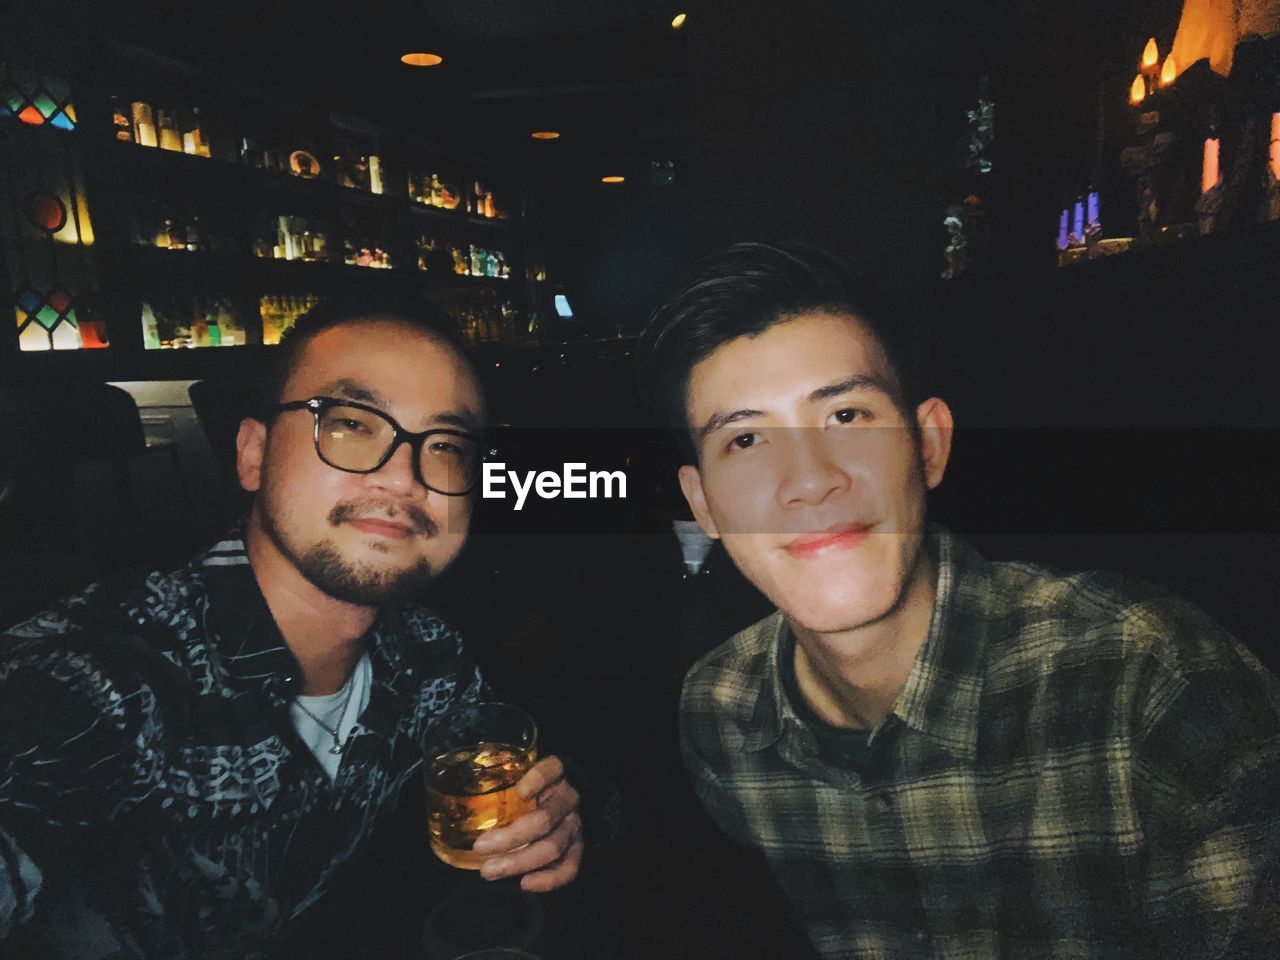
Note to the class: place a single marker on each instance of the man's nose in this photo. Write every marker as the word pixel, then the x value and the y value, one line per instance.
pixel 397 474
pixel 812 471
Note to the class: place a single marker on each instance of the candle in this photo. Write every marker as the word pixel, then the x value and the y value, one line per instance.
pixel 1063 226
pixel 1092 209
pixel 1138 91
pixel 1209 176
pixel 1077 217
pixel 1150 54
pixel 1274 151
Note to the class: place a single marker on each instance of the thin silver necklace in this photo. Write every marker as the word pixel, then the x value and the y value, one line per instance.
pixel 338 745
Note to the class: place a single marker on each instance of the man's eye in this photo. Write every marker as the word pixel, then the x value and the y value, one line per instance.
pixel 347 425
pixel 743 441
pixel 849 415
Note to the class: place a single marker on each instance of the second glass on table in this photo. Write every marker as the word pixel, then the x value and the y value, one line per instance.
pixel 475 756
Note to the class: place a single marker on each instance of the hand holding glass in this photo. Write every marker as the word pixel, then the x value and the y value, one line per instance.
pixel 475 756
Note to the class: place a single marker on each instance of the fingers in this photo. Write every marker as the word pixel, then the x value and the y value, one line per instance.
pixel 547 863
pixel 557 874
pixel 554 805
pixel 544 845
pixel 543 774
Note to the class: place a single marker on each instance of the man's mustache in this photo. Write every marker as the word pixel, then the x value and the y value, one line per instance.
pixel 413 517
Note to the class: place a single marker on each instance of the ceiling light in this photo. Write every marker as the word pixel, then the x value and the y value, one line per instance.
pixel 613 179
pixel 678 21
pixel 545 134
pixel 422 59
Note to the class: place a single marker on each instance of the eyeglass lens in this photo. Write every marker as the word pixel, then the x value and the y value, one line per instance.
pixel 353 439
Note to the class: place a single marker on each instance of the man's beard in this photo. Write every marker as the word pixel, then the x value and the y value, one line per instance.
pixel 325 568
pixel 361 584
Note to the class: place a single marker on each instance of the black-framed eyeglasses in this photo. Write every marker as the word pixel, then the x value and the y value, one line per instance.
pixel 356 438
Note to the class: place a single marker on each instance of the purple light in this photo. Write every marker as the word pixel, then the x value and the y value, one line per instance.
pixel 1094 208
pixel 1077 219
pixel 1063 226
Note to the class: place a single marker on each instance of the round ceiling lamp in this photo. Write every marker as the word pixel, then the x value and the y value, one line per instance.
pixel 545 134
pixel 678 21
pixel 422 59
pixel 613 178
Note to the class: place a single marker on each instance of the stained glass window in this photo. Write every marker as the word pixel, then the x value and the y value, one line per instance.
pixel 36 100
pixel 45 228
pixel 48 321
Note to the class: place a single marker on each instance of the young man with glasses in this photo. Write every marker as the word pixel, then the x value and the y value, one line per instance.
pixel 187 761
pixel 941 756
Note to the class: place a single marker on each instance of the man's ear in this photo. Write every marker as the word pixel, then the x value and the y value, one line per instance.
pixel 936 426
pixel 691 484
pixel 251 446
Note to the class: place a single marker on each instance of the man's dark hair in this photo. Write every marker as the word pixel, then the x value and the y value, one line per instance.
pixel 418 314
pixel 744 290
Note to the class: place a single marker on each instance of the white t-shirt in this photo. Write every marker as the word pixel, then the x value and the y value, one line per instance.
pixel 339 711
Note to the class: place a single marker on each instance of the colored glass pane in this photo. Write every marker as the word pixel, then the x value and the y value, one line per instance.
pixel 32 116
pixel 70 111
pixel 71 318
pixel 93 334
pixel 14 100
pixel 29 301
pixel 46 212
pixel 66 337
pixel 4 110
pixel 62 122
pixel 59 301
pixel 46 316
pixel 33 338
pixel 21 315
pixel 45 104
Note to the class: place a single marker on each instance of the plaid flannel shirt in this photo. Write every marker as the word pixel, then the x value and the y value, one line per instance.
pixel 1077 767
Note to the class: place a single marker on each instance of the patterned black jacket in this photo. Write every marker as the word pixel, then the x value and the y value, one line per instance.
pixel 155 798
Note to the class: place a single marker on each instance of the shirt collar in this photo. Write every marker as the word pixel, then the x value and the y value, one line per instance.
pixel 943 692
pixel 239 623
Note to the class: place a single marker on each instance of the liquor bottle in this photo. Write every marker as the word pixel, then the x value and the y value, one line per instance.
pixel 168 131
pixel 270 320
pixel 375 173
pixel 177 235
pixel 199 326
pixel 150 332
pixel 250 155
pixel 229 325
pixel 194 140
pixel 214 329
pixel 144 125
pixel 195 234
pixel 162 235
pixel 120 120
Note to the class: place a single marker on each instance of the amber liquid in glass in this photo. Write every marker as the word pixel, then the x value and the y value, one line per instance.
pixel 471 790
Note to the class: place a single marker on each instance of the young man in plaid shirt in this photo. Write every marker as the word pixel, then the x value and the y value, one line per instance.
pixel 941 756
